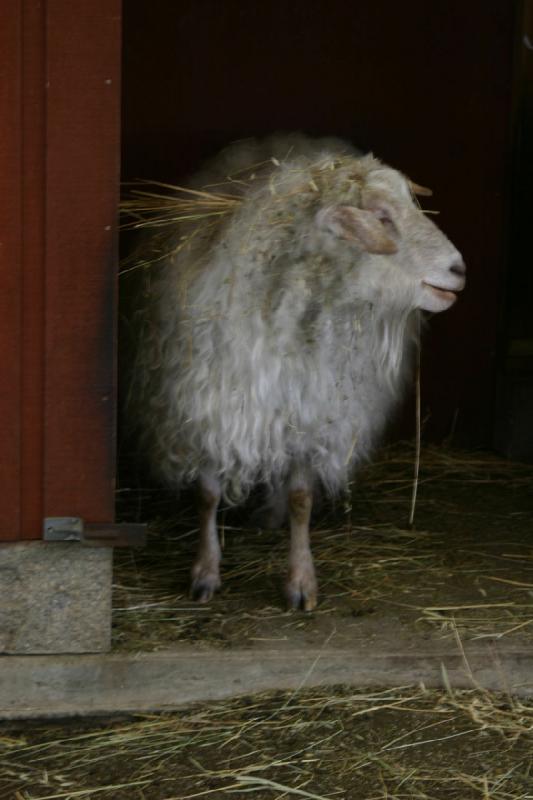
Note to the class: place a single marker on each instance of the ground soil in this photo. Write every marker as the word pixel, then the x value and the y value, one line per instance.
pixel 334 744
pixel 465 570
pixel 467 563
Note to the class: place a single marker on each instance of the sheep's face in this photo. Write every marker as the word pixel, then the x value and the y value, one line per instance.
pixel 387 222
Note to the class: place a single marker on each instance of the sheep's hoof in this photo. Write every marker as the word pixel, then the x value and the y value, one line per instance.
pixel 301 592
pixel 204 584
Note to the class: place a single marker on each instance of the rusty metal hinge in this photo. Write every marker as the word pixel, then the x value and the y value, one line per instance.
pixel 74 529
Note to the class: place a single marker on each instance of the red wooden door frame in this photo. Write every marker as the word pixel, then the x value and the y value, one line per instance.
pixel 59 182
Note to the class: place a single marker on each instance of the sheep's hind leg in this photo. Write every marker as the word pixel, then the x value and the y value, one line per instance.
pixel 301 585
pixel 205 573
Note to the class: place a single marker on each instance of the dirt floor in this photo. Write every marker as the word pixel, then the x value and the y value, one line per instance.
pixel 464 572
pixel 467 564
pixel 394 743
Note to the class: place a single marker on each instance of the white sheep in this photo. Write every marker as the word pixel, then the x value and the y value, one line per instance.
pixel 281 334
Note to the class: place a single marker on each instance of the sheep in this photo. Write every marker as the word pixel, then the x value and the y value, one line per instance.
pixel 281 334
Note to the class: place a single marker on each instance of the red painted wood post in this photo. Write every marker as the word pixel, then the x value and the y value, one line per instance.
pixel 59 168
pixel 10 273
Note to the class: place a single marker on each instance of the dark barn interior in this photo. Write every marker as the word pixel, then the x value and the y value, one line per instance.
pixel 437 90
pixel 441 92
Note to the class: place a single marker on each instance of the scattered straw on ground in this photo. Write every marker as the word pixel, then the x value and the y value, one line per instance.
pixel 393 743
pixel 464 571
pixel 467 565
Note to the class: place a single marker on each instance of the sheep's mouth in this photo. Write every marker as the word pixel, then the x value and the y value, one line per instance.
pixel 444 294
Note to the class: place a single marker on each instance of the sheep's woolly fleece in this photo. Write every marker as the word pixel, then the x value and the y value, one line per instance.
pixel 262 342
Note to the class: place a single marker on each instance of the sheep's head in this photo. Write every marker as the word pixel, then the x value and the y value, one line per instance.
pixel 388 223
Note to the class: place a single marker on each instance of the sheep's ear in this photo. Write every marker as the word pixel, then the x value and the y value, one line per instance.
pixel 366 228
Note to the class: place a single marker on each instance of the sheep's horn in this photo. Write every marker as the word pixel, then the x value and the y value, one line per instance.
pixel 421 190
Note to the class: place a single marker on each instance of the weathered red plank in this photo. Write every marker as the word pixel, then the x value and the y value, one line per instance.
pixel 10 263
pixel 82 180
pixel 59 118
pixel 33 266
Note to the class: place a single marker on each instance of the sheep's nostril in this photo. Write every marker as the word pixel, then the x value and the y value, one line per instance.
pixel 458 268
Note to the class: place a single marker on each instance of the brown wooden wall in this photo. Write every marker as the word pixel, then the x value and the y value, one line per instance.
pixel 428 86
pixel 59 173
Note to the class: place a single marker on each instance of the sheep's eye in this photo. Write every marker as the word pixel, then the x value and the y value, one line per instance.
pixel 385 217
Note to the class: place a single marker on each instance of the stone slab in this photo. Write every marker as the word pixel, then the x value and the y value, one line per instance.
pixel 54 686
pixel 55 598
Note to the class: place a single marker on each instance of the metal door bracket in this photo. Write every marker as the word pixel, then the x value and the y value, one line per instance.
pixel 74 529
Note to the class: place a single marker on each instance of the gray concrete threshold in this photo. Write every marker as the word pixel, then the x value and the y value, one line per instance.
pixel 60 686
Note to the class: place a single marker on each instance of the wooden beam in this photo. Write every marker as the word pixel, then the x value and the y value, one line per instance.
pixel 93 684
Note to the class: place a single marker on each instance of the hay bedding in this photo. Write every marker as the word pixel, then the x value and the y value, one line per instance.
pixel 466 569
pixel 466 566
pixel 393 743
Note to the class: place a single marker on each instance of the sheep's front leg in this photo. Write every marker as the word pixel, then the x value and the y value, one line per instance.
pixel 301 585
pixel 205 573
